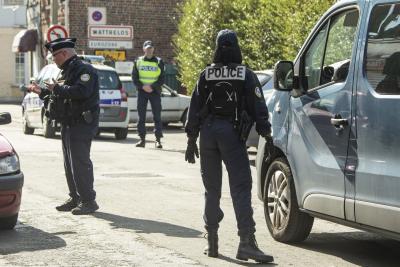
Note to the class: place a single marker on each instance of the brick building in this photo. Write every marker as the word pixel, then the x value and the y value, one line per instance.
pixel 151 19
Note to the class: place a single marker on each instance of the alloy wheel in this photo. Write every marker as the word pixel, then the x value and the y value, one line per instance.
pixel 278 200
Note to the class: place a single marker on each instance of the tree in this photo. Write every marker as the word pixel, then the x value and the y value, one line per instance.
pixel 268 31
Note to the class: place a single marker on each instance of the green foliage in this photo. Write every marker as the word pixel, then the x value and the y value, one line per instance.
pixel 268 31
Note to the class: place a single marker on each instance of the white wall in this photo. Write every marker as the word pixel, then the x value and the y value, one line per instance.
pixel 12 20
pixel 9 90
pixel 12 17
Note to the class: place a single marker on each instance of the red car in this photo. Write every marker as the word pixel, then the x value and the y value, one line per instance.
pixel 11 180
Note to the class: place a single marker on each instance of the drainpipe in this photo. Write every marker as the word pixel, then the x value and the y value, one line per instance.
pixel 66 15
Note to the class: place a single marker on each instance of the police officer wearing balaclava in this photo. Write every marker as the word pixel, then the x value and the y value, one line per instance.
pixel 77 95
pixel 225 92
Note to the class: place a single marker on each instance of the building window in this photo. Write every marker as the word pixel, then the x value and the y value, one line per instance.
pixel 13 2
pixel 19 68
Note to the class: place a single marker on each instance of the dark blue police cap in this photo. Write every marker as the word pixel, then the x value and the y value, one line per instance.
pixel 227 38
pixel 60 43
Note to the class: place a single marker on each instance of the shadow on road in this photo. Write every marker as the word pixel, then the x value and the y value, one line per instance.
pixel 28 238
pixel 243 263
pixel 148 226
pixel 359 248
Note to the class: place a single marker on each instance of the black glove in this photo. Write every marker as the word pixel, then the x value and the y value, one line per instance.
pixel 269 146
pixel 191 151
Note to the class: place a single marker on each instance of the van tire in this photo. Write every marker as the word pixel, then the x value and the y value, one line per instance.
pixel 8 223
pixel 48 130
pixel 296 225
pixel 121 133
pixel 25 128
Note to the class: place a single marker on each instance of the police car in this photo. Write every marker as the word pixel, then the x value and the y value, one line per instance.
pixel 114 113
pixel 174 105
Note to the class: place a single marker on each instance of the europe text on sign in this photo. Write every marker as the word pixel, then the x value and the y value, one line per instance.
pixel 115 55
pixel 110 32
pixel 110 44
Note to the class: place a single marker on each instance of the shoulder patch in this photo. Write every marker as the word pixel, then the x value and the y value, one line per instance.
pixel 85 77
pixel 258 92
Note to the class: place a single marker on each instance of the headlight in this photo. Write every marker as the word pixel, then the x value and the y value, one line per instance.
pixel 9 164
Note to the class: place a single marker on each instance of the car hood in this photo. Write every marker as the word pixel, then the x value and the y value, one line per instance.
pixel 6 148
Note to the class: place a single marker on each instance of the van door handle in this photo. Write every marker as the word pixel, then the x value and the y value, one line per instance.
pixel 339 122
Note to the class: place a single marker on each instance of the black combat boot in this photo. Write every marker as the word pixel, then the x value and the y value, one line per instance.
pixel 68 205
pixel 85 208
pixel 211 250
pixel 248 249
pixel 141 143
pixel 158 143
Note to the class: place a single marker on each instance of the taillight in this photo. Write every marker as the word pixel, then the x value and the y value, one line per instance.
pixel 124 96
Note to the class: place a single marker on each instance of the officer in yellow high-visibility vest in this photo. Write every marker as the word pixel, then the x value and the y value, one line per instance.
pixel 148 76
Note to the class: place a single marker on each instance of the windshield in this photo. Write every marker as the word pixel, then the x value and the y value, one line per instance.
pixel 108 80
pixel 263 78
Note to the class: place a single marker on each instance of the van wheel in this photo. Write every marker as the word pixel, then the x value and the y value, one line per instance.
pixel 25 128
pixel 8 223
pixel 121 133
pixel 285 221
pixel 48 130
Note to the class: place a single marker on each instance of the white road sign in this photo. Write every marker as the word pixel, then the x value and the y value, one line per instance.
pixel 110 32
pixel 110 44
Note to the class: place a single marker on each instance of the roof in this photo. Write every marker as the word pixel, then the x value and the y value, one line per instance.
pixel 125 78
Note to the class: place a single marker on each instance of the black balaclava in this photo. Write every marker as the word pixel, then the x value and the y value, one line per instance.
pixel 227 48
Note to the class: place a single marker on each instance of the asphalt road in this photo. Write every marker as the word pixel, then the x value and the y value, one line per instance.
pixel 151 204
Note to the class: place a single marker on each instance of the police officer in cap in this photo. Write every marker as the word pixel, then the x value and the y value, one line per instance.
pixel 225 92
pixel 148 76
pixel 78 92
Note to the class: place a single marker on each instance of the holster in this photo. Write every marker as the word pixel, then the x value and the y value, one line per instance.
pixel 244 126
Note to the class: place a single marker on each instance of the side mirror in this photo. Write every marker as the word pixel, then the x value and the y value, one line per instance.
pixel 5 118
pixel 283 76
pixel 327 74
pixel 174 93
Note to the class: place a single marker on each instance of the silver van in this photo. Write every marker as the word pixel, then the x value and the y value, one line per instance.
pixel 336 126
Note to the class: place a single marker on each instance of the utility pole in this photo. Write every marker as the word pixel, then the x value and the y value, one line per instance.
pixel 54 11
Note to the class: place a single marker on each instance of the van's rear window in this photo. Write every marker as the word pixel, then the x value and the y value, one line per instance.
pixel 108 80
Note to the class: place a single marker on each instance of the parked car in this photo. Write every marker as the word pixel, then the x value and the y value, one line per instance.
pixel 174 105
pixel 336 122
pixel 113 104
pixel 267 85
pixel 11 180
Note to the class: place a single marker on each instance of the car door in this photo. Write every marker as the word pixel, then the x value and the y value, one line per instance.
pixel 378 120
pixel 170 105
pixel 132 92
pixel 320 117
pixel 34 111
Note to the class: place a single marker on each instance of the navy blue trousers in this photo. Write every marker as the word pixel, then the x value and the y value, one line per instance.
pixel 219 142
pixel 77 164
pixel 155 102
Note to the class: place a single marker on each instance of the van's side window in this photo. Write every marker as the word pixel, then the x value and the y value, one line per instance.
pixel 382 64
pixel 327 58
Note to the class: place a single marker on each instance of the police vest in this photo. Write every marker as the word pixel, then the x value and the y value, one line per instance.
pixel 225 85
pixel 149 71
